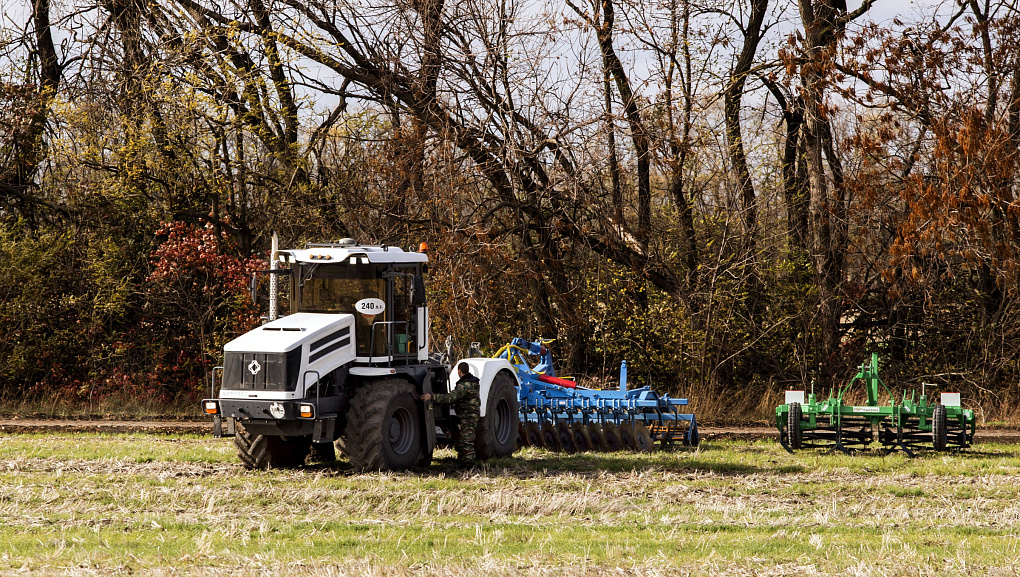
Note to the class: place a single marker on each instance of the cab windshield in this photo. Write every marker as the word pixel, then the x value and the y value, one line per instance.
pixel 334 288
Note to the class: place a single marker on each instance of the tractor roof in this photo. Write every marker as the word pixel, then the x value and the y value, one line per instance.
pixel 346 249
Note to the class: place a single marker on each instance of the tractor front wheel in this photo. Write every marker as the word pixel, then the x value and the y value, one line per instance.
pixel 383 428
pixel 263 452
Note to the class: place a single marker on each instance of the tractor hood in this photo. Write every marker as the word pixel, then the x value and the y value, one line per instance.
pixel 290 332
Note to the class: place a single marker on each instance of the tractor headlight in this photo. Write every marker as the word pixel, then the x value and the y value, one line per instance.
pixel 306 411
pixel 212 407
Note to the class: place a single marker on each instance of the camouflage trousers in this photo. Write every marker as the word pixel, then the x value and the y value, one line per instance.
pixel 464 440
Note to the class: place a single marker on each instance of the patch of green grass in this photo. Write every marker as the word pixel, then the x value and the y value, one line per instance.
pixel 119 504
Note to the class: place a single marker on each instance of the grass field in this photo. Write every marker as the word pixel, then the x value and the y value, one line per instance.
pixel 181 505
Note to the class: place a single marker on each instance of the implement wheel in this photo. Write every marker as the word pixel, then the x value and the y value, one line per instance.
pixel 939 429
pixel 597 437
pixel 793 432
pixel 383 429
pixel 270 452
pixel 534 433
pixel 612 434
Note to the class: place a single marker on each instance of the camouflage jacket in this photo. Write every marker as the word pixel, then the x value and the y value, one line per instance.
pixel 464 398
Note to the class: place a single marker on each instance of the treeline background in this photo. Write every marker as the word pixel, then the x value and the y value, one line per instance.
pixel 736 196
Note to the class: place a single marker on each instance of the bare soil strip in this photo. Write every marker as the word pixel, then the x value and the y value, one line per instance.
pixel 11 426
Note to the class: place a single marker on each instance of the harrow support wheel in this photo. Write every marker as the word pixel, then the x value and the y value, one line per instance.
pixel 597 437
pixel 612 434
pixel 581 439
pixel 939 429
pixel 534 434
pixel 642 438
pixel 793 432
pixel 627 437
pixel 566 437
pixel 550 439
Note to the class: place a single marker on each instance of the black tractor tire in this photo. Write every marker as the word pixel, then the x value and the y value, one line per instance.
pixel 324 452
pixel 939 428
pixel 262 452
pixel 383 427
pixel 597 436
pixel 534 433
pixel 497 430
pixel 793 432
pixel 612 435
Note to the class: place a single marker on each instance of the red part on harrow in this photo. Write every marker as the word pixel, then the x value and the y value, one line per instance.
pixel 558 381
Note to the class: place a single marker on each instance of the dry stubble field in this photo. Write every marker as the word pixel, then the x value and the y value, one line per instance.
pixel 89 504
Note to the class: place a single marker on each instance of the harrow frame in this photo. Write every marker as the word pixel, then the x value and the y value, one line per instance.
pixel 584 418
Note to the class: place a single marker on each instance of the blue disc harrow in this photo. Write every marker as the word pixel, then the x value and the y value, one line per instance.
pixel 560 415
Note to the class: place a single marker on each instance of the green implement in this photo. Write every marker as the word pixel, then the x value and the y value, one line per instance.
pixel 913 424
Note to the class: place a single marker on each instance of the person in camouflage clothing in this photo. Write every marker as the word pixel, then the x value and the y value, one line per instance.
pixel 465 400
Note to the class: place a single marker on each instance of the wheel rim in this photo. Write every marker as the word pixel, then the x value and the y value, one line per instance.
pixel 504 426
pixel 401 431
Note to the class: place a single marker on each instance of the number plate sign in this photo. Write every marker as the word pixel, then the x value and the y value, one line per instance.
pixel 370 307
pixel 867 409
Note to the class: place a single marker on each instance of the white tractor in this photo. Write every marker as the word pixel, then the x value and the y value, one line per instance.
pixel 348 365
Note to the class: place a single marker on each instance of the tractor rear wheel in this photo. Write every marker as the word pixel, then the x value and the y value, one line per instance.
pixel 497 430
pixel 270 452
pixel 939 431
pixel 383 428
pixel 793 433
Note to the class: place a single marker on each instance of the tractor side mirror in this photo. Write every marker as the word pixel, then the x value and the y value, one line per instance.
pixel 418 291
pixel 252 287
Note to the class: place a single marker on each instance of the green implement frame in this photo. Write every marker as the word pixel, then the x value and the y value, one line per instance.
pixel 912 424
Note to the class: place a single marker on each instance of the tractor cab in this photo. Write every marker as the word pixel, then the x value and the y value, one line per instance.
pixel 381 286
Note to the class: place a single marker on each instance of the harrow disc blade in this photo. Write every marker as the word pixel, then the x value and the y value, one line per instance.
pixel 566 438
pixel 534 435
pixel 581 439
pixel 550 439
pixel 597 437
pixel 642 438
pixel 613 442
pixel 522 436
pixel 627 437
